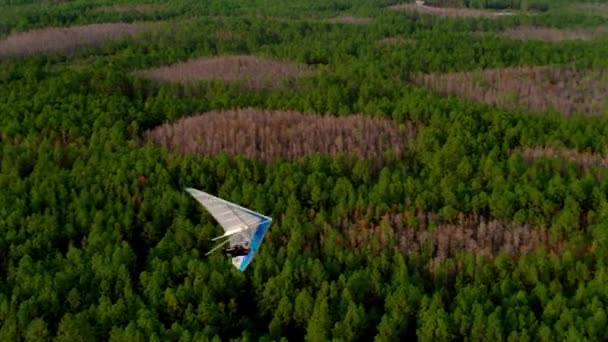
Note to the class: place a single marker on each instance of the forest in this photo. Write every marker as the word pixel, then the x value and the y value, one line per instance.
pixel 434 172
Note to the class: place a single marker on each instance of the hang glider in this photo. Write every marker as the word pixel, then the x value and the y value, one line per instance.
pixel 244 229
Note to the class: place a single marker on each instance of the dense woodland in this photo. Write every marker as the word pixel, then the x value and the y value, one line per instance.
pixel 490 223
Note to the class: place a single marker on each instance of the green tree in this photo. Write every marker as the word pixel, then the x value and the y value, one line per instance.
pixel 319 325
pixel 434 320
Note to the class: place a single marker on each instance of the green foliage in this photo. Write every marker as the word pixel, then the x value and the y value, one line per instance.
pixel 98 240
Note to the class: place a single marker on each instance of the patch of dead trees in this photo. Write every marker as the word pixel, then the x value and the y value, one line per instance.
pixel 549 34
pixel 413 232
pixel 266 135
pixel 567 90
pixel 254 72
pixel 64 39
pixel 585 160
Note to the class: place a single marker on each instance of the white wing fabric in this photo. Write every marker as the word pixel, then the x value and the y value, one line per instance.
pixel 240 225
pixel 232 217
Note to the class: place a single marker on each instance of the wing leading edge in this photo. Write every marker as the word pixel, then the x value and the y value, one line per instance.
pixel 240 225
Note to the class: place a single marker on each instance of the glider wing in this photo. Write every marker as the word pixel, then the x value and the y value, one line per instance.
pixel 240 225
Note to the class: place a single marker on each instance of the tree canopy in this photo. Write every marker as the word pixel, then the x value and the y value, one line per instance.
pixel 463 235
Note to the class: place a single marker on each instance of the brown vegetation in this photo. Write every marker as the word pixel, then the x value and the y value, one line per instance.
pixel 255 72
pixel 131 8
pixel 584 159
pixel 567 90
pixel 452 12
pixel 66 39
pixel 266 135
pixel 471 234
pixel 350 20
pixel 528 32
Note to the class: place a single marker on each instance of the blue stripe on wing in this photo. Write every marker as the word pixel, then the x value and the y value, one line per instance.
pixel 255 244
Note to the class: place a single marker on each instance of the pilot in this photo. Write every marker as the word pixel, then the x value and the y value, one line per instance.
pixel 237 250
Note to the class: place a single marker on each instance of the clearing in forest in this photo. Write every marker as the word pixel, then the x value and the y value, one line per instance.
pixel 254 71
pixel 584 159
pixel 267 135
pixel 549 34
pixel 64 39
pixel 451 12
pixel 131 8
pixel 563 89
